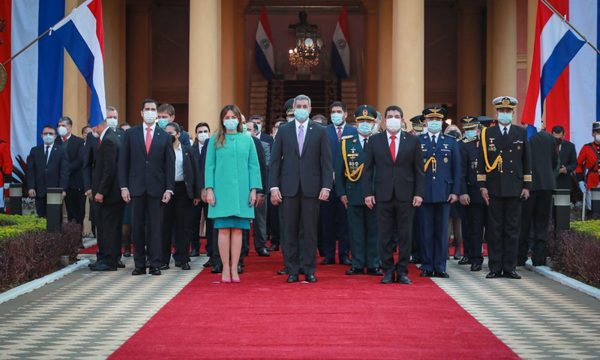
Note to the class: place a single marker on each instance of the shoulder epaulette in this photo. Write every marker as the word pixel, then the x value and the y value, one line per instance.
pixel 466 141
pixel 346 137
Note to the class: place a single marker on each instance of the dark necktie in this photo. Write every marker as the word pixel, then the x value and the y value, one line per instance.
pixel 46 153
pixel 365 140
pixel 433 141
pixel 505 131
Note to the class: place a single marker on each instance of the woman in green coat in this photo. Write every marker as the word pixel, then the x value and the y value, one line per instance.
pixel 232 176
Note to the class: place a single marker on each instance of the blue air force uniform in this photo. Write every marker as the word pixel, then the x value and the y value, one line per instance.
pixel 441 157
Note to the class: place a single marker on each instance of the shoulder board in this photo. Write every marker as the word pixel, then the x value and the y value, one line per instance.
pixel 466 141
pixel 346 137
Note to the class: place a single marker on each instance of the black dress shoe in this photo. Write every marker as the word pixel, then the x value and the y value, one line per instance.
pixel 240 268
pixel 138 271
pixel 493 275
pixel 354 271
pixel 217 269
pixel 301 271
pixel 403 279
pixel 120 264
pixel 441 274
pixel 374 271
pixel 345 261
pixel 103 267
pixel 327 261
pixel 512 275
pixel 262 252
pixel 164 267
pixel 194 253
pixel 154 271
pixel 127 253
pixel 292 278
pixel 425 273
pixel 185 266
pixel 208 264
pixel 475 267
pixel 311 278
pixel 283 271
pixel 464 261
pixel 415 260
pixel 388 277
pixel 177 264
pixel 274 248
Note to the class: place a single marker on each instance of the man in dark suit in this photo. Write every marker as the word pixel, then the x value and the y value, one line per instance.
pixel 300 175
pixel 263 150
pixel 107 196
pixel 147 179
pixel 504 177
pixel 47 167
pixel 567 159
pixel 259 120
pixel 75 199
pixel 394 182
pixel 536 210
pixel 198 148
pixel 442 187
pixel 334 222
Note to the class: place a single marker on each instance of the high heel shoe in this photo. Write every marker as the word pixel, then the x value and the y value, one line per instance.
pixel 236 281
pixel 226 280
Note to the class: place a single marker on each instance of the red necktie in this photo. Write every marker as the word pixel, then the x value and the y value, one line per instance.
pixel 339 133
pixel 148 139
pixel 393 147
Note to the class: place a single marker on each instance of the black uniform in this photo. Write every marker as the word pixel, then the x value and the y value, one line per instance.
pixel 505 170
pixel 475 215
pixel 536 210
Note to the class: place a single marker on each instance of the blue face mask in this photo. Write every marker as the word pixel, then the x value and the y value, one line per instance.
pixel 434 126
pixel 337 118
pixel 231 124
pixel 365 128
pixel 471 134
pixel 301 114
pixel 162 122
pixel 48 139
pixel 504 118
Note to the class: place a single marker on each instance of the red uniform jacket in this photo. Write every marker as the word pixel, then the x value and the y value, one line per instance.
pixel 587 165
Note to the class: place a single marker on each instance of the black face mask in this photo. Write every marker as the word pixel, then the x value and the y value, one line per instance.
pixel 559 141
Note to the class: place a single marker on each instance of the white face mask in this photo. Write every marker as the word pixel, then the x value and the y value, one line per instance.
pixel 393 124
pixel 112 122
pixel 62 131
pixel 150 116
pixel 597 138
pixel 202 137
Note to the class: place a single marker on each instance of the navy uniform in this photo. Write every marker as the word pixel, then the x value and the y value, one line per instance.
pixel 362 221
pixel 475 214
pixel 441 156
pixel 504 177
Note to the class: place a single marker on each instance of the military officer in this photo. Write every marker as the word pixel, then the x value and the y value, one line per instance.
pixel 504 177
pixel 441 156
pixel 362 221
pixel 475 217
pixel 418 127
pixel 587 166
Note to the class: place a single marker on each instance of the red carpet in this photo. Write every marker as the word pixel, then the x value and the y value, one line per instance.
pixel 340 317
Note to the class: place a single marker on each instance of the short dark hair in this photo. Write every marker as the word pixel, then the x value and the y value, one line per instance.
pixel 83 128
pixel 166 108
pixel 256 117
pixel 340 104
pixel 175 126
pixel 66 119
pixel 558 129
pixel 48 126
pixel 202 124
pixel 393 108
pixel 147 101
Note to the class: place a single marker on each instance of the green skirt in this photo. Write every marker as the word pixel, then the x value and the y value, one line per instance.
pixel 232 222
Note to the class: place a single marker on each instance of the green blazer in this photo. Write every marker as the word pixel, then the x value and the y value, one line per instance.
pixel 232 171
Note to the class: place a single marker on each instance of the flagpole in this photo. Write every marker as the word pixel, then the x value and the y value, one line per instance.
pixel 564 19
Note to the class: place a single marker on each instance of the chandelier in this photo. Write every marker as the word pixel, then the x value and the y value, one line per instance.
pixel 309 43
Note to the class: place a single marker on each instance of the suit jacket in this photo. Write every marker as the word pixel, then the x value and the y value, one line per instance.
pixel 201 159
pixel 42 175
pixel 355 157
pixel 568 158
pixel 401 179
pixel 544 161
pixel 333 139
pixel 191 171
pixel 88 159
pixel 469 161
pixel 74 147
pixel 266 138
pixel 142 173
pixel 262 164
pixel 446 178
pixel 307 173
pixel 515 173
pixel 105 179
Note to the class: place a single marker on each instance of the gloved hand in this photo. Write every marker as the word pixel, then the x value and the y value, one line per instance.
pixel 582 187
pixel 6 186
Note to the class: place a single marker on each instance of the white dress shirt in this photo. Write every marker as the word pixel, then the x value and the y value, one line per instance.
pixel 178 163
pixel 502 129
pixel 151 132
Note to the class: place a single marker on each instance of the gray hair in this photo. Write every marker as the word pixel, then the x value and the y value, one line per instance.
pixel 111 108
pixel 302 97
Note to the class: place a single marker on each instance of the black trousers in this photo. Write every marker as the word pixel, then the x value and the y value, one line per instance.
pixel 504 223
pixel 417 234
pixel 334 227
pixel 40 206
pixel 300 251
pixel 75 204
pixel 395 217
pixel 536 217
pixel 473 224
pixel 147 209
pixel 273 228
pixel 177 226
pixel 198 212
pixel 110 220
